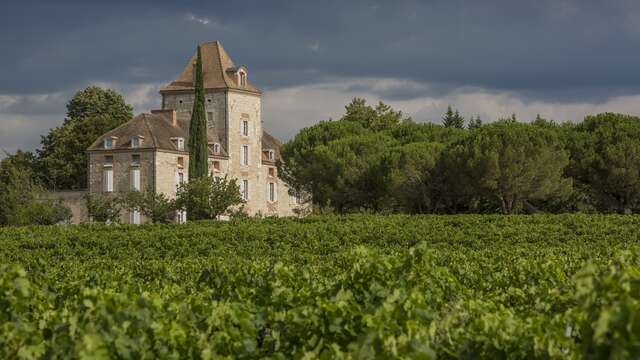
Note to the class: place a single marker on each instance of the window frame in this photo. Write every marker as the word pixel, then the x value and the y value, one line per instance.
pixel 244 155
pixel 272 192
pixel 107 179
pixel 244 127
pixel 244 189
pixel 134 177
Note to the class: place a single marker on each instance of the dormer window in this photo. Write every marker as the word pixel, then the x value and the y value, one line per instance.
pixel 271 155
pixel 216 149
pixel 110 142
pixel 179 143
pixel 136 141
pixel 242 78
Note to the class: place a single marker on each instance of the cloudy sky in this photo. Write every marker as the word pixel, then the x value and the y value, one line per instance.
pixel 562 59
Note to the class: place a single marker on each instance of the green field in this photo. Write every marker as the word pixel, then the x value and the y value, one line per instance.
pixel 361 286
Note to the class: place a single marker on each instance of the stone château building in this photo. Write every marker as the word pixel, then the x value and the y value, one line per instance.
pixel 151 150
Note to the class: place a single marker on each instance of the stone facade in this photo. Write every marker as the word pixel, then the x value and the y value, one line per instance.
pixel 234 124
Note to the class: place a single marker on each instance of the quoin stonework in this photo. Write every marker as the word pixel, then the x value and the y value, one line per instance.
pixel 151 150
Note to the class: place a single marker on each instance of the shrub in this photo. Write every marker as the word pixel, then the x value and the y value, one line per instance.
pixel 208 198
pixel 155 206
pixel 44 212
pixel 103 208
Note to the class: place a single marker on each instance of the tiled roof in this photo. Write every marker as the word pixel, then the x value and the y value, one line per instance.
pixel 157 132
pixel 270 143
pixel 218 70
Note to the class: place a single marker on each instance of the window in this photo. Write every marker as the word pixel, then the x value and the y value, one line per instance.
pixel 271 192
pixel 245 128
pixel 180 143
pixel 244 189
pixel 210 122
pixel 135 179
pixel 107 180
pixel 180 162
pixel 108 159
pixel 216 149
pixel 272 172
pixel 135 142
pixel 181 216
pixel 243 79
pixel 216 166
pixel 134 217
pixel 271 155
pixel 179 179
pixel 135 159
pixel 244 155
pixel 108 143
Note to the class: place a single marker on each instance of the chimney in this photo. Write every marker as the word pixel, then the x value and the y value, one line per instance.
pixel 174 119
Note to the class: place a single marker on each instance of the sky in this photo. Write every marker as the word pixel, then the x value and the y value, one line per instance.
pixel 562 59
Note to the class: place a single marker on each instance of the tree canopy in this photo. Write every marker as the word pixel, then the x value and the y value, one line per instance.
pixel 62 160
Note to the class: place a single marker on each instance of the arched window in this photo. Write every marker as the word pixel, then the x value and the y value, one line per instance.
pixel 243 78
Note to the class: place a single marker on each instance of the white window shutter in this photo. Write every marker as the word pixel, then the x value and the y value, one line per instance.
pixel 135 217
pixel 135 179
pixel 108 180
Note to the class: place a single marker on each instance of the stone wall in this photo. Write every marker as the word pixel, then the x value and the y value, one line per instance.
pixel 215 103
pixel 74 200
pixel 168 169
pixel 122 165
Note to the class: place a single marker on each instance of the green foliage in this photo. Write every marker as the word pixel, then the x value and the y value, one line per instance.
pixel 40 212
pixel 452 119
pixel 17 186
pixel 104 208
pixel 209 197
pixel 474 123
pixel 91 112
pixel 360 286
pixel 381 117
pixel 513 162
pixel 198 143
pixel 606 156
pixel 157 207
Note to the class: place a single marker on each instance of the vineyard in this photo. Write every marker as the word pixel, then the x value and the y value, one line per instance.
pixel 360 286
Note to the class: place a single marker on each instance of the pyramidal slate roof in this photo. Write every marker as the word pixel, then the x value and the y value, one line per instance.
pixel 219 71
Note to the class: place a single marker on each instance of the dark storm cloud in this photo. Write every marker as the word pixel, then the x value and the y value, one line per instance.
pixel 536 47
pixel 560 58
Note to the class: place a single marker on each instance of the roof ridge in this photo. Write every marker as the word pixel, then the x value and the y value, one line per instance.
pixel 222 69
pixel 153 135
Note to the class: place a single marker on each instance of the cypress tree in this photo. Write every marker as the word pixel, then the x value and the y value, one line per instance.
pixel 198 146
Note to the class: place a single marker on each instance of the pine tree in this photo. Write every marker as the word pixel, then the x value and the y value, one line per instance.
pixel 198 147
pixel 447 119
pixel 452 120
pixel 458 120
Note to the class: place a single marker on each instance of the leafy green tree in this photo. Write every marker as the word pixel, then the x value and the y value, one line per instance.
pixel 376 119
pixel 157 207
pixel 198 146
pixel 208 197
pixel 474 123
pixel 414 178
pixel 512 162
pixel 17 186
pixel 90 113
pixel 40 212
pixel 298 169
pixel 452 119
pixel 104 208
pixel 606 157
